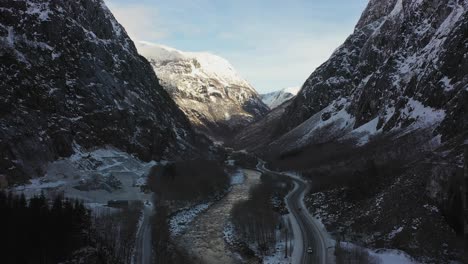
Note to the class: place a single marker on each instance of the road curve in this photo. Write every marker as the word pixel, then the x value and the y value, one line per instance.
pixel 308 231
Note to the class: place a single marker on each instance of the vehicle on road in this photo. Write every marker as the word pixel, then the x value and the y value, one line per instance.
pixel 310 251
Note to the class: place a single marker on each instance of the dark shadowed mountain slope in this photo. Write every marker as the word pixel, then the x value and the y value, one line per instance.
pixel 404 68
pixel 256 136
pixel 70 76
pixel 379 129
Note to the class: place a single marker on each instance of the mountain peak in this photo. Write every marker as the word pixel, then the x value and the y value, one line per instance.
pixel 210 65
pixel 217 100
pixel 277 98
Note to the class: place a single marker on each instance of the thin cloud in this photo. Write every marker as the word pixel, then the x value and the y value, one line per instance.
pixel 270 51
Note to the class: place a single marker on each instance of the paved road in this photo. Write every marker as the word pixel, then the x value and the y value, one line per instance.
pixel 308 231
pixel 143 239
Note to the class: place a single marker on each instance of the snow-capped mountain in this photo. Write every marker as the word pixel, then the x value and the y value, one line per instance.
pixel 70 77
pixel 275 99
pixel 217 100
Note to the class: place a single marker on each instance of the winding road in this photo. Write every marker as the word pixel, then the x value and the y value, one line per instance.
pixel 307 229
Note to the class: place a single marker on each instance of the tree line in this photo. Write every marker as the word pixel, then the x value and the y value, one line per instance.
pixel 115 234
pixel 165 251
pixel 38 230
pixel 187 182
pixel 190 181
pixel 257 219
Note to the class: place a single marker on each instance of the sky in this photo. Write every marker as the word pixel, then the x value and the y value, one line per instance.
pixel 273 44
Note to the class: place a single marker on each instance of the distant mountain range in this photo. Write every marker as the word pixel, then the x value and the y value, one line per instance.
pixel 275 99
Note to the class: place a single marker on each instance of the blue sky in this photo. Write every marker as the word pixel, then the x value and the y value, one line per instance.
pixel 272 43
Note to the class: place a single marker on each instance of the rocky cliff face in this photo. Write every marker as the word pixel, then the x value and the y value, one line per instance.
pixel 379 129
pixel 207 88
pixel 70 76
pixel 404 68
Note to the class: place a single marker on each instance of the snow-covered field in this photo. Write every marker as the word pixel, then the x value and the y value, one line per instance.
pixel 94 177
pixel 385 256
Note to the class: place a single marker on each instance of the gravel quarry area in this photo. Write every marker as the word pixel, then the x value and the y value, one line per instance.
pixel 204 238
pixel 94 177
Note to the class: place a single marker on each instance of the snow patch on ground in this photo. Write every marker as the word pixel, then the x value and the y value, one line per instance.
pixel 94 177
pixel 364 132
pixel 229 233
pixel 431 208
pixel 237 177
pixel 333 121
pixel 42 10
pixel 278 255
pixel 423 115
pixel 446 82
pixel 279 250
pixel 39 184
pixel 370 127
pixel 395 232
pixel 386 256
pixel 397 9
pixel 182 219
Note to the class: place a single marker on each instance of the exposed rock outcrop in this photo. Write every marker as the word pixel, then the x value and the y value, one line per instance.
pixel 69 76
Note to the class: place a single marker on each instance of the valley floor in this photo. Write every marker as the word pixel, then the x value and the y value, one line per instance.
pixel 204 239
pixel 91 177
